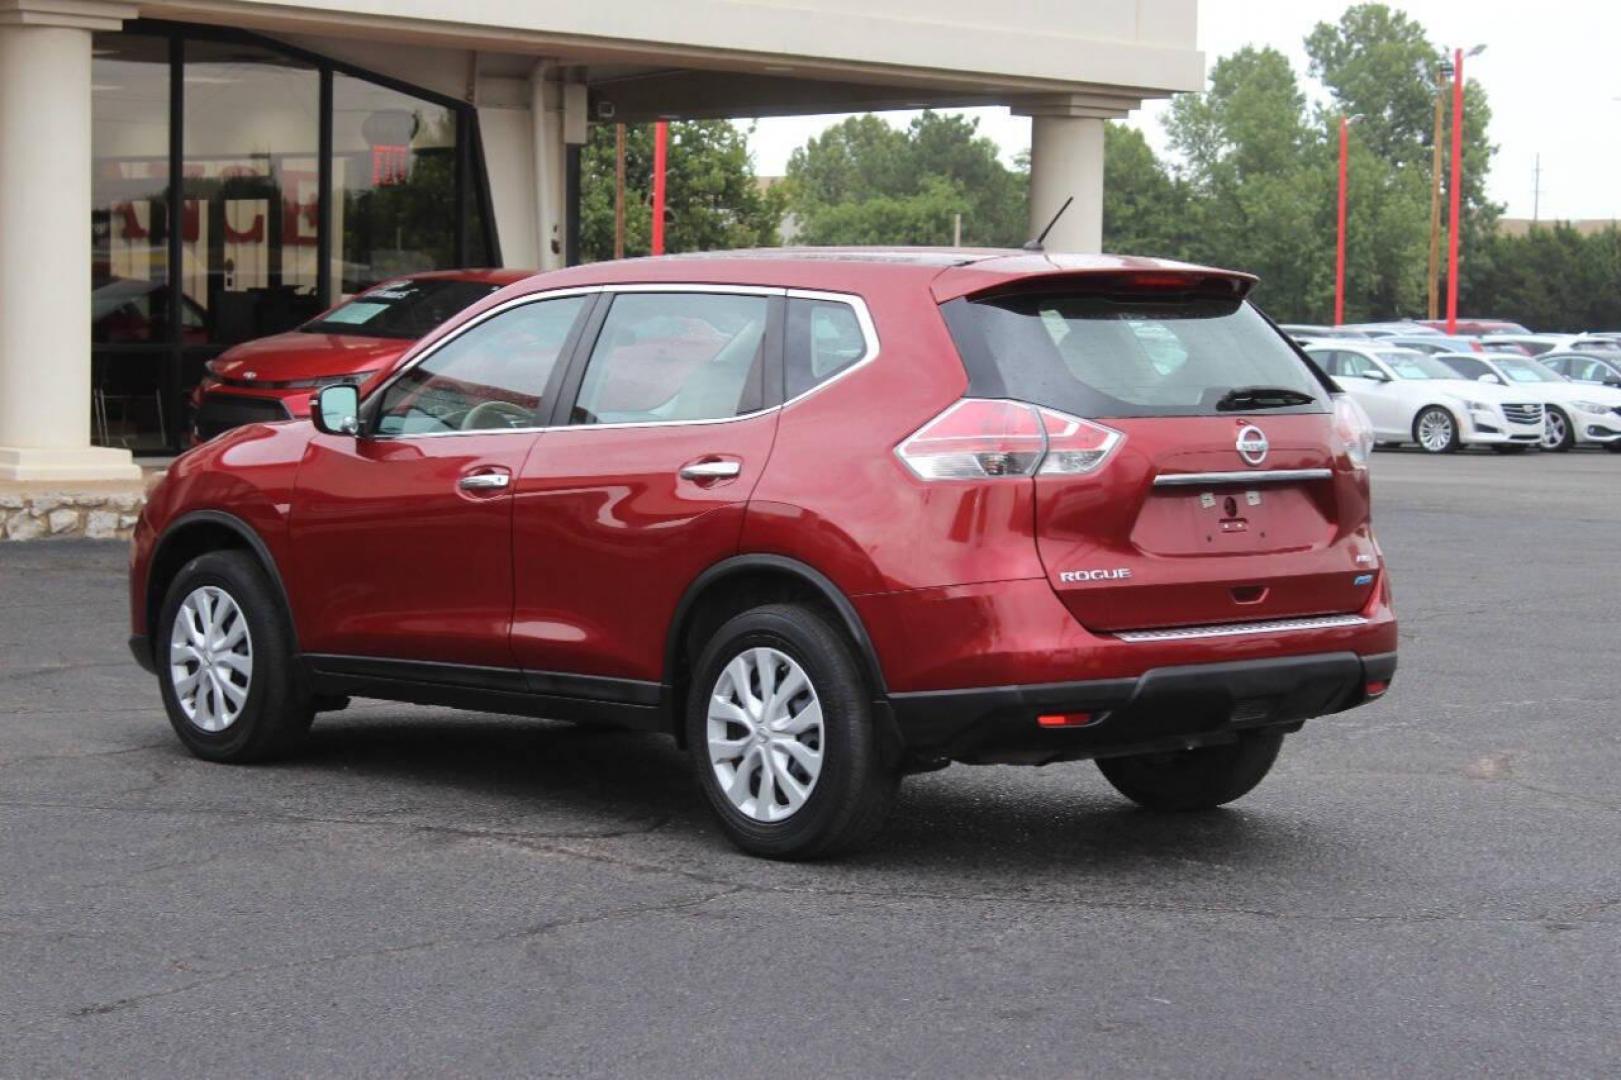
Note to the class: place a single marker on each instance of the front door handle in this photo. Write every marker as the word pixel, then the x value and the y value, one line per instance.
pixel 484 481
pixel 711 470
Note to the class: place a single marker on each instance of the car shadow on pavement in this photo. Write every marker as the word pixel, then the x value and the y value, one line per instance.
pixel 510 775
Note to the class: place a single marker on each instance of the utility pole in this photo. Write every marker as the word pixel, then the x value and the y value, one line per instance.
pixel 619 191
pixel 1536 192
pixel 1434 308
pixel 1339 238
pixel 661 143
pixel 956 230
pixel 1455 189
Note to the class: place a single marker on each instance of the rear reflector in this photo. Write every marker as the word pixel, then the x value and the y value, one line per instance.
pixel 1069 719
pixel 1376 688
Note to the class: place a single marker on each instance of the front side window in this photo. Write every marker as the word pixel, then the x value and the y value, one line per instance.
pixel 1418 368
pixel 401 309
pixel 493 377
pixel 675 356
pixel 824 338
pixel 1100 356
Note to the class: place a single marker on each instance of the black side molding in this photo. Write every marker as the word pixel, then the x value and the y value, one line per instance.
pixel 548 695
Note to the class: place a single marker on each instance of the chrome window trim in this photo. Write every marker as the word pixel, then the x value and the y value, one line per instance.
pixel 869 333
pixel 1260 476
pixel 1271 626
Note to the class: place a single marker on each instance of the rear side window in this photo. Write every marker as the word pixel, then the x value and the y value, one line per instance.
pixel 824 338
pixel 675 356
pixel 1123 356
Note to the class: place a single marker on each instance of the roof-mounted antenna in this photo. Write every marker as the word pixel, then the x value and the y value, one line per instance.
pixel 1035 245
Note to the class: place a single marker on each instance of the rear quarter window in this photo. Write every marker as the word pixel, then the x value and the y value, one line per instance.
pixel 1102 356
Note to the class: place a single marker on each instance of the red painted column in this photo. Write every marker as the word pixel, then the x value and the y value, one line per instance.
pixel 1454 196
pixel 661 143
pixel 1339 244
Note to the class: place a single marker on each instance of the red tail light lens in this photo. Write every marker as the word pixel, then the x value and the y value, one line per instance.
pixel 979 439
pixel 1353 428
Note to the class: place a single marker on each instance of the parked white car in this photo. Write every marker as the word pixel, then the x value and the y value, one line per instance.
pixel 1575 412
pixel 1410 397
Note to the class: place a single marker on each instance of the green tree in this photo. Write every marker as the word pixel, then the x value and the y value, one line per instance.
pixel 863 181
pixel 1254 178
pixel 714 199
pixel 1144 207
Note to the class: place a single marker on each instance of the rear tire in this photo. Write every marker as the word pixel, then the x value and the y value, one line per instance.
pixel 781 734
pixel 225 662
pixel 1200 779
pixel 1436 431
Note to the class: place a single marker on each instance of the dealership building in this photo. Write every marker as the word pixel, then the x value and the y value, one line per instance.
pixel 180 176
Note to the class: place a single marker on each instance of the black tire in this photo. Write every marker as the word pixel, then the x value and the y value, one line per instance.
pixel 1200 779
pixel 1568 438
pixel 277 711
pixel 1613 447
pixel 1453 441
pixel 853 792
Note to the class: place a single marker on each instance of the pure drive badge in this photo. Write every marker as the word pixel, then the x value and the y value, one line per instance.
pixel 1118 574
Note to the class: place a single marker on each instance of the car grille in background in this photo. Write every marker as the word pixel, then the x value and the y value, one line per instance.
pixel 1523 414
pixel 222 412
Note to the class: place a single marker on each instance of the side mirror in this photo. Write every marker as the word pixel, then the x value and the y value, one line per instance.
pixel 1489 378
pixel 1375 375
pixel 335 410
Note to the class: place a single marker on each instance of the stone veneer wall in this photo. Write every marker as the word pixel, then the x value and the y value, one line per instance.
pixel 48 515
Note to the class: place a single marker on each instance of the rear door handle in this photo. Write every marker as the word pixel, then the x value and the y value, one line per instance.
pixel 711 470
pixel 484 481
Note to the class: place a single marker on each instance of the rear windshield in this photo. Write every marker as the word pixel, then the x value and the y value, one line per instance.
pixel 1124 356
pixel 401 309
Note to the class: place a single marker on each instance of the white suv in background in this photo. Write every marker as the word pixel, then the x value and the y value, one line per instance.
pixel 1411 397
pixel 1576 412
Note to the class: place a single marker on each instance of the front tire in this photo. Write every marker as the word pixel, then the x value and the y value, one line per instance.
pixel 225 662
pixel 780 729
pixel 1200 779
pixel 1436 431
pixel 1558 435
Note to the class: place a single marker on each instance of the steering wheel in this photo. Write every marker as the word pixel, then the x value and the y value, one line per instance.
pixel 496 414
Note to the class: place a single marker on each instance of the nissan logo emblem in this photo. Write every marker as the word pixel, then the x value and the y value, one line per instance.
pixel 1252 444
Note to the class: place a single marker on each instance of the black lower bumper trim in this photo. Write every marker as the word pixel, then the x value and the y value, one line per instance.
pixel 140 646
pixel 1170 706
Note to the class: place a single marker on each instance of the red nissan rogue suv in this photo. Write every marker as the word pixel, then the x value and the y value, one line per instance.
pixel 826 517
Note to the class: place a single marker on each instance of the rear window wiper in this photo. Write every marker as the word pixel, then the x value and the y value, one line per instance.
pixel 1248 398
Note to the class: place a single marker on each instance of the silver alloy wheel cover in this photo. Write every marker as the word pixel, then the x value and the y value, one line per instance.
pixel 1434 430
pixel 1553 433
pixel 765 734
pixel 210 658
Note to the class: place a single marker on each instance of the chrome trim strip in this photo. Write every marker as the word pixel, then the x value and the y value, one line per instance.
pixel 1321 622
pixel 856 303
pixel 1260 476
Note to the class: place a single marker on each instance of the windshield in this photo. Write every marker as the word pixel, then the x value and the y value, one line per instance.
pixel 1124 355
pixel 1415 366
pixel 401 309
pixel 1526 371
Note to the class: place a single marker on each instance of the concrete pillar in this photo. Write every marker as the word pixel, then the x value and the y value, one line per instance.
pixel 551 161
pixel 1066 159
pixel 45 173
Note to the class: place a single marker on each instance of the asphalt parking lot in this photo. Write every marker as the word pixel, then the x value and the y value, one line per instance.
pixel 1431 885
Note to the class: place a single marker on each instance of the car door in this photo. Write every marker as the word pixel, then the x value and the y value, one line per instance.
pixel 402 536
pixel 665 425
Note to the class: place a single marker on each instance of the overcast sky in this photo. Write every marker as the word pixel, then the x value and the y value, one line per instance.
pixel 1550 71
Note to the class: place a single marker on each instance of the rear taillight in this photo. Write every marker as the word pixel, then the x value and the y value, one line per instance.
pixel 980 439
pixel 1353 429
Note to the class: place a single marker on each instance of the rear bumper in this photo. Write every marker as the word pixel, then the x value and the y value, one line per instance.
pixel 1165 708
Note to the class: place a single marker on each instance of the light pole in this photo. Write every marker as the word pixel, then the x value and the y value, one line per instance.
pixel 1455 194
pixel 1339 243
pixel 1443 75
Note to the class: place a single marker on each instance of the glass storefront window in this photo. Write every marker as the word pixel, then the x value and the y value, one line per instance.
pixel 220 232
pixel 129 226
pixel 249 219
pixel 394 175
